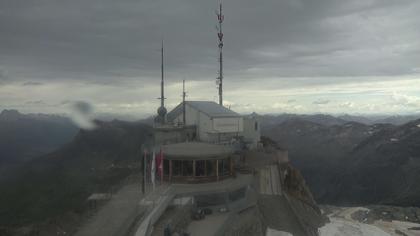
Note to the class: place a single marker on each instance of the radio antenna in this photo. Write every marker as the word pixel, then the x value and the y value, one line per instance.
pixel 219 80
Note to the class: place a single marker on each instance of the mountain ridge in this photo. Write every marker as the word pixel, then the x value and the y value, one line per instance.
pixel 26 136
pixel 359 164
pixel 59 182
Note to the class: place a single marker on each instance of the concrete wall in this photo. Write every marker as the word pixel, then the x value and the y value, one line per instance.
pixel 204 126
pixel 211 129
pixel 251 132
pixel 228 124
pixel 191 116
pixel 175 135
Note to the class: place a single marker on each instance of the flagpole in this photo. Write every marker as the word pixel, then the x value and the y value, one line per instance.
pixel 153 170
pixel 161 166
pixel 143 186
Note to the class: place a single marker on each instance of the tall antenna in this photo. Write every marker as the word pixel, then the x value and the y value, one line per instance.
pixel 162 92
pixel 162 110
pixel 184 94
pixel 219 80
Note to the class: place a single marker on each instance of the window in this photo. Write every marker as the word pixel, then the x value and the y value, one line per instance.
pixel 165 167
pixel 177 168
pixel 211 168
pixel 224 167
pixel 256 126
pixel 200 168
pixel 187 168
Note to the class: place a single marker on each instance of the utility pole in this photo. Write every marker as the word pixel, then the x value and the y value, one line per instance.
pixel 219 80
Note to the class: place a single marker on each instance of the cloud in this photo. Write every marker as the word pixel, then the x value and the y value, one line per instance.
pixel 280 107
pixel 405 100
pixel 3 75
pixel 30 83
pixel 83 107
pixel 35 103
pixel 347 104
pixel 321 102
pixel 293 38
pixel 107 52
pixel 82 114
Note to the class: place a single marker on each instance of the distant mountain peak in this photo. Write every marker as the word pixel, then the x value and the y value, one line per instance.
pixel 10 114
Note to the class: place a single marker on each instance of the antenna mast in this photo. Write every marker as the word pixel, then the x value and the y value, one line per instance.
pixel 219 80
pixel 184 94
pixel 161 118
pixel 162 92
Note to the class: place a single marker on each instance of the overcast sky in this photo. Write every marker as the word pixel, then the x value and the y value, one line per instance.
pixel 295 56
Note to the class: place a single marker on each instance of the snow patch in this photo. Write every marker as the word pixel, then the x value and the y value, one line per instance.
pixel 402 226
pixel 273 232
pixel 342 224
pixel 343 227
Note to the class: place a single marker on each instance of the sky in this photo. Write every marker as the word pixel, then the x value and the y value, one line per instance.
pixel 280 56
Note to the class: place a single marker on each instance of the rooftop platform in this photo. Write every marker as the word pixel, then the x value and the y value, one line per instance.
pixel 226 185
pixel 158 200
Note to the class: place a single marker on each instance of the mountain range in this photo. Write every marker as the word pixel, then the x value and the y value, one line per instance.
pixel 345 160
pixel 60 182
pixel 25 136
pixel 354 163
pixel 325 119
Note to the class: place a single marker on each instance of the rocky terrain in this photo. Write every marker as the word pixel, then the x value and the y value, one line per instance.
pixel 377 220
pixel 354 163
pixel 23 137
pixel 343 163
pixel 328 120
pixel 56 185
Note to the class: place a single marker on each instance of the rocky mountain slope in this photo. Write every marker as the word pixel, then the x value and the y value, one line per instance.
pixel 343 162
pixel 354 163
pixel 329 120
pixel 58 183
pixel 23 137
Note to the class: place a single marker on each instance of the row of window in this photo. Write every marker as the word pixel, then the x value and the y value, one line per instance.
pixel 202 168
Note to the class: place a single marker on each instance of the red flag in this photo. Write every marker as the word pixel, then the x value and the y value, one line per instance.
pixel 159 163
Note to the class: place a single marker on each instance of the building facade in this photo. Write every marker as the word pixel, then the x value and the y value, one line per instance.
pixel 214 123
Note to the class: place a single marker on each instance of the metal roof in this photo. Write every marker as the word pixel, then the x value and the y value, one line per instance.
pixel 209 108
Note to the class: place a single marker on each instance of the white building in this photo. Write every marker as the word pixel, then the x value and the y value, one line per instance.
pixel 252 133
pixel 214 123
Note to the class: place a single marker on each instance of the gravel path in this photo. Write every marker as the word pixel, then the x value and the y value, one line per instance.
pixel 115 217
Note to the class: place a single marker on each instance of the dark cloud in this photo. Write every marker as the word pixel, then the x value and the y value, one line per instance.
pixel 3 75
pixel 82 114
pixel 83 107
pixel 108 45
pixel 112 41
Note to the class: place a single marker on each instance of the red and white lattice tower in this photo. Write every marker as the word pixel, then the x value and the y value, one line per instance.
pixel 219 80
